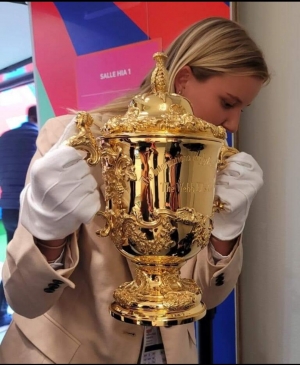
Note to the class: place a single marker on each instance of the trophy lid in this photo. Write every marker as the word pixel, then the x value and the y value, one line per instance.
pixel 160 112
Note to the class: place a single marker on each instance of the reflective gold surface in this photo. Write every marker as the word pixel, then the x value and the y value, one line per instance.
pixel 159 165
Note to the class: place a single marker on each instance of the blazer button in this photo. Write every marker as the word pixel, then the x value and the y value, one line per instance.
pixel 55 281
pixel 220 280
pixel 54 286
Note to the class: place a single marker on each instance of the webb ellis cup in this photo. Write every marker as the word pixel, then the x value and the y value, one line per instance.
pixel 159 165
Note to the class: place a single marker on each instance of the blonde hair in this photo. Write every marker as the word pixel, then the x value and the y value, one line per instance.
pixel 212 46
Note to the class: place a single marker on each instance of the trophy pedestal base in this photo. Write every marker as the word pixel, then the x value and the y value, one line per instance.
pixel 154 318
pixel 158 297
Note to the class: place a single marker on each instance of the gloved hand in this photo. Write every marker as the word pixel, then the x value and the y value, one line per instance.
pixel 62 193
pixel 236 186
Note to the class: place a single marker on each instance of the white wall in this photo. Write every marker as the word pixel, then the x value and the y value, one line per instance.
pixel 270 131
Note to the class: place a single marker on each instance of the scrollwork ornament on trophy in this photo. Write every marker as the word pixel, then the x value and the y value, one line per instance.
pixel 159 164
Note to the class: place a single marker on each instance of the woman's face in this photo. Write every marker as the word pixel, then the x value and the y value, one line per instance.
pixel 219 100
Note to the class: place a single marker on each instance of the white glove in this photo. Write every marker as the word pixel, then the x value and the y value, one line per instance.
pixel 62 193
pixel 236 186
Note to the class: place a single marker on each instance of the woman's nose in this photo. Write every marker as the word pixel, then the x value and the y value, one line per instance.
pixel 232 123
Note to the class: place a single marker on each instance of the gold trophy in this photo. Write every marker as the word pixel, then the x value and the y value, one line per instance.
pixel 159 164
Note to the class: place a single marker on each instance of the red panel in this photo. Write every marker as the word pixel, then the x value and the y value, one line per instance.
pixel 167 19
pixel 55 56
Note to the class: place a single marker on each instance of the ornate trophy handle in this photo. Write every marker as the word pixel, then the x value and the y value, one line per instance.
pixel 225 152
pixel 85 140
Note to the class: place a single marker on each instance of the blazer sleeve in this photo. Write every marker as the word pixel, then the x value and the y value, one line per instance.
pixel 215 280
pixel 31 286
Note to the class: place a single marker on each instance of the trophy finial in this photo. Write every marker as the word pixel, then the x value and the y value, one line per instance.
pixel 159 77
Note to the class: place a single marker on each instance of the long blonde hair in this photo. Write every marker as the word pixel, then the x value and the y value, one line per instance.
pixel 212 46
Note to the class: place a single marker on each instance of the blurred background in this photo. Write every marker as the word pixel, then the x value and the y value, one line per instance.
pixel 17 89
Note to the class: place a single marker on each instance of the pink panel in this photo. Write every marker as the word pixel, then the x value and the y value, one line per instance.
pixel 103 76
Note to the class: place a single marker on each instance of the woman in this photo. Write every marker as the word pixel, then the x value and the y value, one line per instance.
pixel 59 276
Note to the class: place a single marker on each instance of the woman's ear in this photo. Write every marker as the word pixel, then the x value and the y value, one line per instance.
pixel 181 79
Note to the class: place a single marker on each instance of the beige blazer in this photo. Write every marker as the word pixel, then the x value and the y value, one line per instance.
pixel 70 323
